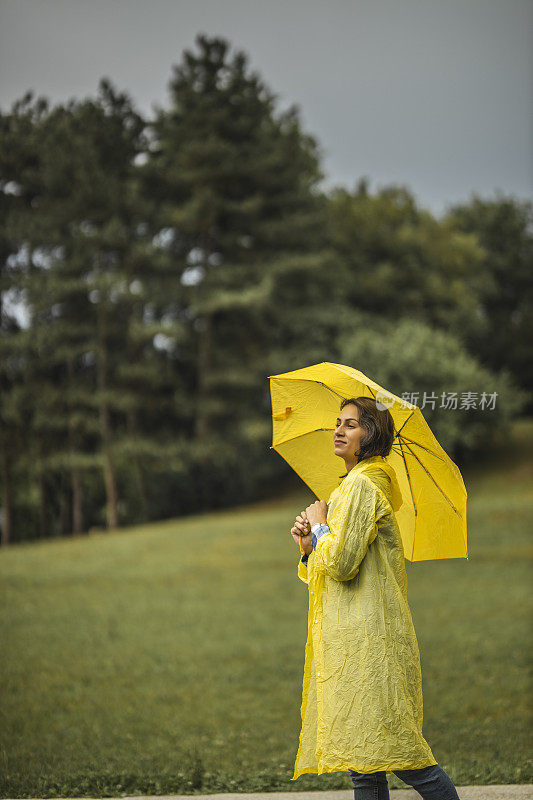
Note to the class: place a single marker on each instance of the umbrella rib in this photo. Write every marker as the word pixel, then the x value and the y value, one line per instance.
pixel 434 481
pixel 341 395
pixel 333 392
pixel 412 497
pixel 427 449
pixel 305 433
pixel 405 423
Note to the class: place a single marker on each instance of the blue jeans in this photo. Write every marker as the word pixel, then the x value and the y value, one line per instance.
pixel 431 783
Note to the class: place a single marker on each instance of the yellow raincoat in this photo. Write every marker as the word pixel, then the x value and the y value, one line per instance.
pixel 362 687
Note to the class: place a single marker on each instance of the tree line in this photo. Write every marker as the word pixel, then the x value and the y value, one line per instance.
pixel 155 272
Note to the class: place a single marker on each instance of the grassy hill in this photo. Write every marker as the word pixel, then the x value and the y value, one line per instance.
pixel 169 657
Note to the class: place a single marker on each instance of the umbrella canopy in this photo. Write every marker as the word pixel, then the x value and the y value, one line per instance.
pixel 305 406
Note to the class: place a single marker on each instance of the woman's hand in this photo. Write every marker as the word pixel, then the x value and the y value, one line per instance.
pixel 301 532
pixel 317 512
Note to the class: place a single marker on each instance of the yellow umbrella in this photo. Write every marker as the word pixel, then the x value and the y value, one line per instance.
pixel 305 406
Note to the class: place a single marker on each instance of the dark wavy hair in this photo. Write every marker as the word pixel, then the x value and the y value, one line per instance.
pixel 378 425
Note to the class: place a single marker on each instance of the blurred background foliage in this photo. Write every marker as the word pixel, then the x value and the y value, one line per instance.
pixel 155 272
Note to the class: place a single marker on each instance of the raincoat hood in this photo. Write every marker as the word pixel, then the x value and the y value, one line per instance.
pixel 381 472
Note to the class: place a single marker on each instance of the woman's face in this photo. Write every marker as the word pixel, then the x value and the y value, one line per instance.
pixel 348 432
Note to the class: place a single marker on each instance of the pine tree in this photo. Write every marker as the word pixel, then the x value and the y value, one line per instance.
pixel 239 222
pixel 85 232
pixel 100 230
pixel 18 188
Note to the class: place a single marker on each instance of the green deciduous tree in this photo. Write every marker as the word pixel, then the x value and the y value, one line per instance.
pixel 504 228
pixel 433 369
pixel 398 260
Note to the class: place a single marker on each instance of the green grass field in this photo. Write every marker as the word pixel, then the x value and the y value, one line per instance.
pixel 168 658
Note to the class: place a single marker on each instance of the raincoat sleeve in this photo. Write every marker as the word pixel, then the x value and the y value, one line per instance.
pixel 302 571
pixel 354 527
pixel 302 566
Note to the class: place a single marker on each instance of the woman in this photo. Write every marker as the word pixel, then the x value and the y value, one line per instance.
pixel 362 690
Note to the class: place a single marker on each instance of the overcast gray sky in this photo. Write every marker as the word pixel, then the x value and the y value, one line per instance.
pixel 434 94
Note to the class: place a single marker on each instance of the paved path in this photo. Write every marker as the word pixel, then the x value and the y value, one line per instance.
pixel 513 792
pixel 521 791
